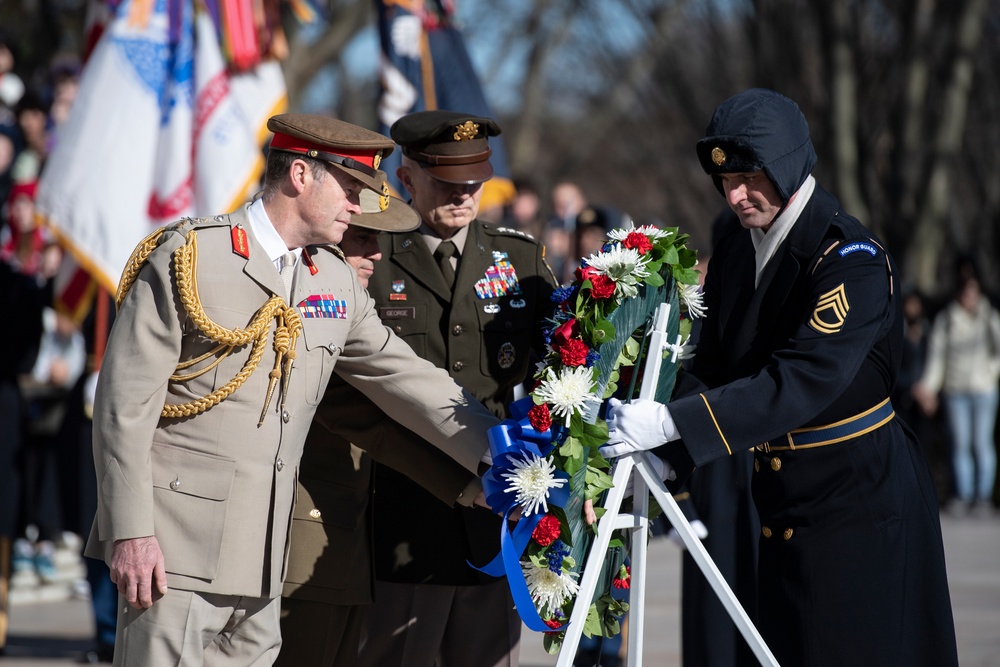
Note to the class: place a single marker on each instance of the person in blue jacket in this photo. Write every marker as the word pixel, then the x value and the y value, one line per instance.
pixel 797 359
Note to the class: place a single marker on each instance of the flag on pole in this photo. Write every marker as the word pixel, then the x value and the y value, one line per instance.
pixel 424 65
pixel 161 128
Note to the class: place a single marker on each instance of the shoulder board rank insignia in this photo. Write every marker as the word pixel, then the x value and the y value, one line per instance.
pixel 241 244
pixel 855 247
pixel 308 261
pixel 515 232
pixel 831 311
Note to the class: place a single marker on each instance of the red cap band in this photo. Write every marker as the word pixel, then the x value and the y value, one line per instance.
pixel 295 145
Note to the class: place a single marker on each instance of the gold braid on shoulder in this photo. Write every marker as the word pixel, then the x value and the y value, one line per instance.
pixel 288 329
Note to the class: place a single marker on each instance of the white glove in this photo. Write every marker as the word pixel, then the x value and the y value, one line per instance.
pixel 699 529
pixel 662 468
pixel 637 426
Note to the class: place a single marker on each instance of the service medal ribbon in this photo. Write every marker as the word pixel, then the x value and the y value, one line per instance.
pixel 323 305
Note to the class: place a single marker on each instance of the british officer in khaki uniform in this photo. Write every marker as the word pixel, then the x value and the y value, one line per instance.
pixel 331 575
pixel 213 371
pixel 469 297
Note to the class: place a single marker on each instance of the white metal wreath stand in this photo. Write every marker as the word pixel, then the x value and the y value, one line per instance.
pixel 637 467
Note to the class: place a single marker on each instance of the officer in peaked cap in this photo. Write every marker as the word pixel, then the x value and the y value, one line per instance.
pixel 475 310
pixel 799 351
pixel 239 320
pixel 452 147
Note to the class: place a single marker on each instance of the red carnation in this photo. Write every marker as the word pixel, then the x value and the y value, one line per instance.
pixel 547 531
pixel 624 578
pixel 639 241
pixel 554 624
pixel 564 332
pixel 574 352
pixel 540 418
pixel 603 287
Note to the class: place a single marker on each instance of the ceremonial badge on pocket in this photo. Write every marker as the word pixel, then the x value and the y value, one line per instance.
pixel 398 288
pixel 506 355
pixel 491 308
pixel 831 311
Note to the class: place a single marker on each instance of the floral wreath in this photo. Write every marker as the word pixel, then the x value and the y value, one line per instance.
pixel 546 460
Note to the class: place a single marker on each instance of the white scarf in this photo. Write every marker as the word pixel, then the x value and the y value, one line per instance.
pixel 766 243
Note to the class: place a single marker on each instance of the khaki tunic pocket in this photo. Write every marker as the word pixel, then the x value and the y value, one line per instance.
pixel 191 492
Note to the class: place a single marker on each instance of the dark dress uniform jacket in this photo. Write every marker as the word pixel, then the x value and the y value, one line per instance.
pixel 851 559
pixel 484 343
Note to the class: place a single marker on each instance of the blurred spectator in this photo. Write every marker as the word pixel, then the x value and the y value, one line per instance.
pixel 23 244
pixel 32 117
pixel 523 212
pixel 567 203
pixel 65 77
pixel 21 296
pixel 11 86
pixel 8 151
pixel 592 227
pixel 963 365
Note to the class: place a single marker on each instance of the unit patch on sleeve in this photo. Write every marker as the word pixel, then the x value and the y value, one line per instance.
pixel 856 247
pixel 831 311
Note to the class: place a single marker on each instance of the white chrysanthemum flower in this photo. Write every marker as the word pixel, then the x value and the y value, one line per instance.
pixel 550 590
pixel 625 266
pixel 693 299
pixel 531 478
pixel 619 263
pixel 569 392
pixel 649 230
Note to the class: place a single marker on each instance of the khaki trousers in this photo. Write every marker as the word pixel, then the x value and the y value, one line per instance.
pixel 189 629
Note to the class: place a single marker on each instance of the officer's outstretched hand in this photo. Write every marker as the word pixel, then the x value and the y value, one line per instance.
pixel 636 426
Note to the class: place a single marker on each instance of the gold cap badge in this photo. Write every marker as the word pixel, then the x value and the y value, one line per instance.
pixel 377 159
pixel 465 131
pixel 718 156
pixel 383 201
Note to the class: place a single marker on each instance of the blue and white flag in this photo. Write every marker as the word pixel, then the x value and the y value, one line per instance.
pixel 425 65
pixel 160 129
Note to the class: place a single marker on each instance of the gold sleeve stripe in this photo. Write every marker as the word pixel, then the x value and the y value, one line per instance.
pixel 716 422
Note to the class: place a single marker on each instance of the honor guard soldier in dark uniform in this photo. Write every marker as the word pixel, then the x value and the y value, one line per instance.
pixel 800 351
pixel 469 297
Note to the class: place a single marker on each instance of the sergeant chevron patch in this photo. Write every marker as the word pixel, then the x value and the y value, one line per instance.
pixel 831 311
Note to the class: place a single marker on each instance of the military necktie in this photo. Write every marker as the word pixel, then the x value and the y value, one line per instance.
pixel 443 256
pixel 288 272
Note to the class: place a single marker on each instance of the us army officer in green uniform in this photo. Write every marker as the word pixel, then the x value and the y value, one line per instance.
pixel 331 576
pixel 469 297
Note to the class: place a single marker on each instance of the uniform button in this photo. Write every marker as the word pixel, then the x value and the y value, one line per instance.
pixel 315 513
pixel 176 484
pixel 398 329
pixel 457 330
pixel 756 465
pixel 333 347
pixel 775 464
pixel 788 533
pixel 507 325
pixel 285 416
pixel 765 531
pixel 457 366
pixel 280 465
